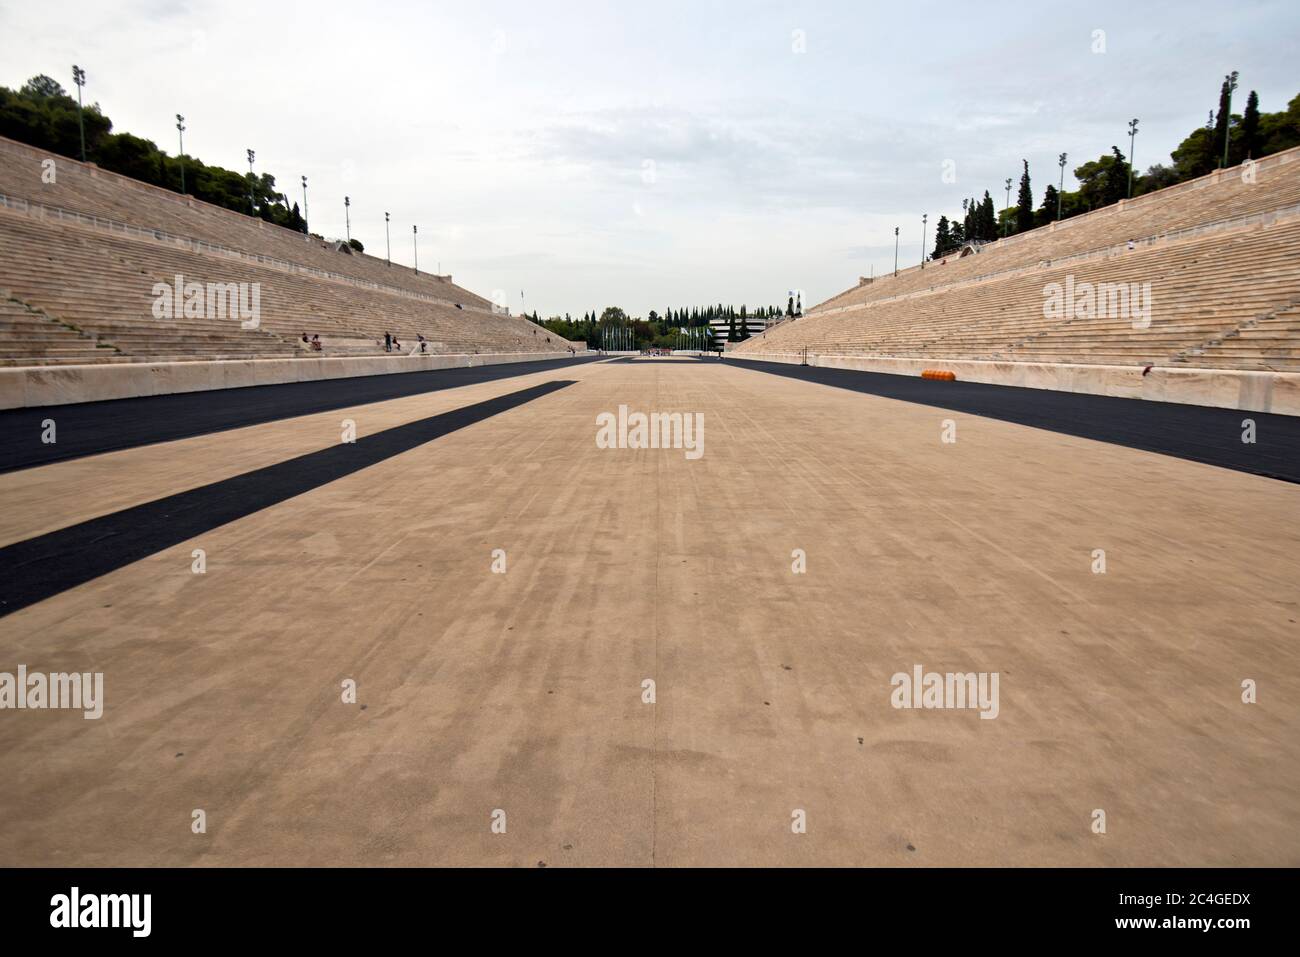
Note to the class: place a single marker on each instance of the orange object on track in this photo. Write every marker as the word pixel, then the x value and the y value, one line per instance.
pixel 940 376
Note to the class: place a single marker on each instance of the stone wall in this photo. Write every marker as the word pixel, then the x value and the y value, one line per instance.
pixel 29 386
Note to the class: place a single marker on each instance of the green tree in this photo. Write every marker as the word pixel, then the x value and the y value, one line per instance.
pixel 1156 177
pixel 1223 119
pixel 1194 156
pixel 1280 131
pixel 942 238
pixel 1024 203
pixel 988 221
pixel 1103 181
pixel 42 87
pixel 1248 140
pixel 1047 212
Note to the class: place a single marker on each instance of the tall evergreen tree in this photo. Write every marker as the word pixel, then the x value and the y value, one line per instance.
pixel 1248 146
pixel 1047 212
pixel 1223 119
pixel 942 238
pixel 1024 203
pixel 988 220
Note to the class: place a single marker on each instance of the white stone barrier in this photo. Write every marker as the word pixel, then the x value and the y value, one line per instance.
pixel 31 386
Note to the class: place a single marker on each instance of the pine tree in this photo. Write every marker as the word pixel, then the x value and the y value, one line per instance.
pixel 1047 212
pixel 1024 203
pixel 942 238
pixel 988 220
pixel 1117 177
pixel 1249 141
pixel 1223 119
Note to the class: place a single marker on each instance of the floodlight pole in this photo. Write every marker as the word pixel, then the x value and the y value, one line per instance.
pixel 79 78
pixel 306 229
pixel 387 241
pixel 895 250
pixel 252 203
pixel 347 217
pixel 1061 188
pixel 924 218
pixel 1132 134
pixel 1006 222
pixel 415 244
pixel 180 129
pixel 1227 123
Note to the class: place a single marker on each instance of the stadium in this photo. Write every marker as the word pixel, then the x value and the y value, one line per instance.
pixel 313 557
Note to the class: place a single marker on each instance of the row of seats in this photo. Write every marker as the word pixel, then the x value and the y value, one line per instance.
pixel 102 284
pixel 1272 184
pixel 28 336
pixel 95 192
pixel 1221 297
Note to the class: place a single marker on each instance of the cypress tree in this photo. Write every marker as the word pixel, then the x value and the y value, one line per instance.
pixel 988 220
pixel 1249 142
pixel 1116 177
pixel 1025 203
pixel 1223 120
pixel 942 238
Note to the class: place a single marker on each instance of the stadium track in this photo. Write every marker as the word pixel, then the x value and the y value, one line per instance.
pixel 1197 433
pixel 523 690
pixel 52 563
pixel 1194 432
pixel 90 428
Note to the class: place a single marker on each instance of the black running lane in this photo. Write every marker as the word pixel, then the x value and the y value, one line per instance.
pixel 44 566
pixel 88 428
pixel 1196 432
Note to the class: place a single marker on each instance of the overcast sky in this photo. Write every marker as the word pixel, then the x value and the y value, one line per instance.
pixel 652 154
